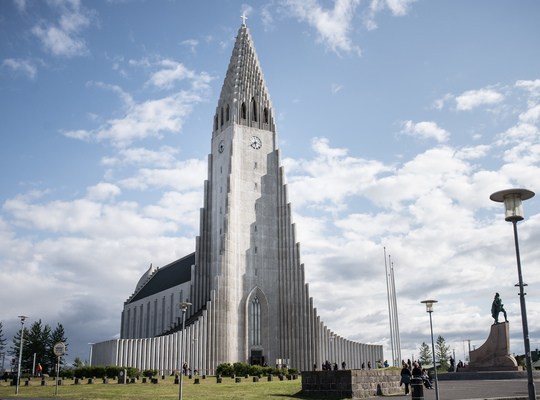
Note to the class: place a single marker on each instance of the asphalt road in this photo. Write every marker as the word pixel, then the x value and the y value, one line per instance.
pixel 511 389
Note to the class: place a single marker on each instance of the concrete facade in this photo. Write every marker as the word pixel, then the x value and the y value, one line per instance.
pixel 250 301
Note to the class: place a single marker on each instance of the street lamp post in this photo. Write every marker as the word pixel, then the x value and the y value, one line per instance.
pixel 429 309
pixel 22 317
pixel 512 199
pixel 183 306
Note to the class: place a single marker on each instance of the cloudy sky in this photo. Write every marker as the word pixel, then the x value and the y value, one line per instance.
pixel 397 119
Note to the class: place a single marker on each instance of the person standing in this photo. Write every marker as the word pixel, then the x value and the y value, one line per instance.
pixel 405 377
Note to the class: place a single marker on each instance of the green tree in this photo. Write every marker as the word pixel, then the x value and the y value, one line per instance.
pixel 78 363
pixel 2 339
pixel 37 343
pixel 442 352
pixel 58 335
pixel 14 351
pixel 425 354
pixel 38 340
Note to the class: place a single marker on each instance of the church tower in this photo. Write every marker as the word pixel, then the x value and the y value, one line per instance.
pixel 245 281
pixel 245 223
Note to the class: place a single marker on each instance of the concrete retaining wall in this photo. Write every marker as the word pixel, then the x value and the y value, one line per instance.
pixel 355 384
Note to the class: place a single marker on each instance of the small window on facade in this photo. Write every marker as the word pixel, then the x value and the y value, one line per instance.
pixel 255 165
pixel 215 122
pixel 253 110
pixel 227 113
pixel 265 115
pixel 221 116
pixel 243 111
pixel 255 185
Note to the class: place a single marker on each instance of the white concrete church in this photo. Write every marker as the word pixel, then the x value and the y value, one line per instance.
pixel 245 280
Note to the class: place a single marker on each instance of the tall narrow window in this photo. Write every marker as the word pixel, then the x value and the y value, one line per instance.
pixel 141 320
pixel 134 331
pixel 265 115
pixel 172 309
pixel 147 321
pixel 222 116
pixel 227 113
pixel 243 111
pixel 155 318
pixel 163 314
pixel 253 110
pixel 255 322
pixel 215 122
pixel 128 324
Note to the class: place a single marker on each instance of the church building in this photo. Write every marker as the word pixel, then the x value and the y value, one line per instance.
pixel 249 299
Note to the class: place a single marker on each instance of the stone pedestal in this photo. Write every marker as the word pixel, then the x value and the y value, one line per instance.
pixel 494 354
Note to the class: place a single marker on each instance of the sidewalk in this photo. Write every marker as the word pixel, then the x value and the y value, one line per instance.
pixel 511 389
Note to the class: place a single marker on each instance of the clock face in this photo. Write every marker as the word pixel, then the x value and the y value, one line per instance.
pixel 221 146
pixel 255 142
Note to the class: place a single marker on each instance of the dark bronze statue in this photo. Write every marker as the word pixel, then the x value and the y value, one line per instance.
pixel 496 307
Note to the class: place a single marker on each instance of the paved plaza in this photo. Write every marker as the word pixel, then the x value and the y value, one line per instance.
pixel 511 389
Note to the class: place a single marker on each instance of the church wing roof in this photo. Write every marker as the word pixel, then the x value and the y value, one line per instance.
pixel 164 278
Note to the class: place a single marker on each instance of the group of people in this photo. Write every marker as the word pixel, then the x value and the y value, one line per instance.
pixel 328 366
pixel 414 370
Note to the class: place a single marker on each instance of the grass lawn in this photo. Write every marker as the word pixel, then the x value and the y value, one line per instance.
pixel 165 389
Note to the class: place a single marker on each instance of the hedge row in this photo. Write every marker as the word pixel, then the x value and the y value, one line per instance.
pixel 100 372
pixel 242 369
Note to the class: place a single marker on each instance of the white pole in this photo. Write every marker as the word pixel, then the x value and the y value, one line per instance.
pixel 22 317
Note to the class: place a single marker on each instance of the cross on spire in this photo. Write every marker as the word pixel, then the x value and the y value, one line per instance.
pixel 244 17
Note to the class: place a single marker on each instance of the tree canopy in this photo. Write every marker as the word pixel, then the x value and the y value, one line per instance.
pixel 38 340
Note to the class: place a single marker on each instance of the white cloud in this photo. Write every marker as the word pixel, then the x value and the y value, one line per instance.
pixel 63 38
pixel 266 17
pixel 397 8
pixel 475 98
pixel 532 86
pixel 532 115
pixel 191 43
pixel 336 88
pixel 331 177
pixel 151 118
pixel 21 5
pixel 164 157
pixel 333 26
pixel 425 130
pixel 174 71
pixel 86 217
pixel 186 175
pixel 103 191
pixel 25 67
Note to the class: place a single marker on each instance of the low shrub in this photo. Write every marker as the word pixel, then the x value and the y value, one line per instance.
pixel 149 373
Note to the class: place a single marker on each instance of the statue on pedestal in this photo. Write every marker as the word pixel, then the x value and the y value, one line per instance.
pixel 494 354
pixel 496 307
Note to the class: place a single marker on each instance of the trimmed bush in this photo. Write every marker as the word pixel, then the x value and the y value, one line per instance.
pixel 149 373
pixel 243 369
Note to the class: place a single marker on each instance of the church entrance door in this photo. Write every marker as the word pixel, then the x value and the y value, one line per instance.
pixel 257 357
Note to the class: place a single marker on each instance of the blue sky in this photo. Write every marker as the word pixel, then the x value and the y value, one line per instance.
pixel 396 119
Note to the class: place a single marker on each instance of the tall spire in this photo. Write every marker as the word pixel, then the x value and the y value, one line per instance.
pixel 244 96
